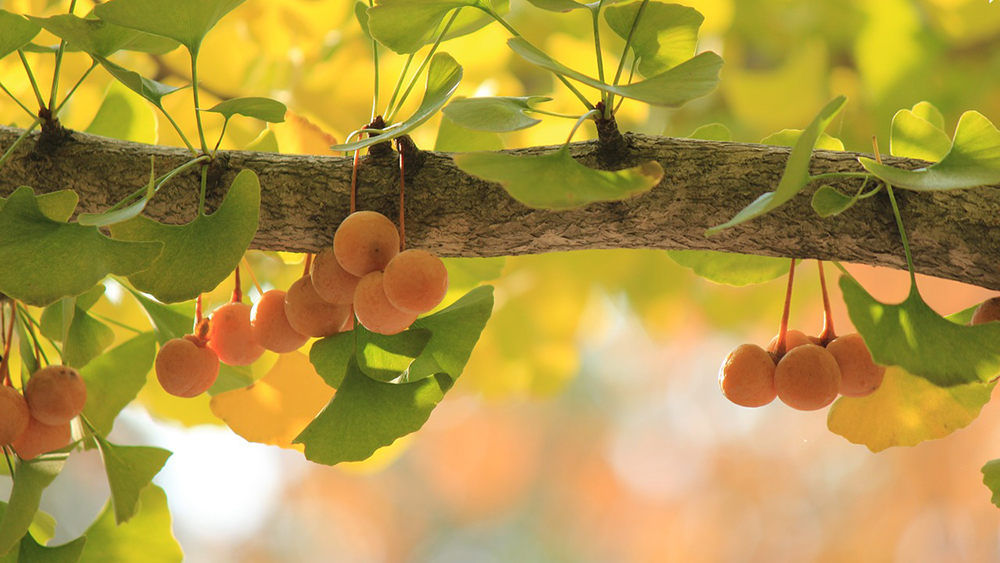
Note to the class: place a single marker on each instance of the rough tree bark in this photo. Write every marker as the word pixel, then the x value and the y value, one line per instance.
pixel 954 235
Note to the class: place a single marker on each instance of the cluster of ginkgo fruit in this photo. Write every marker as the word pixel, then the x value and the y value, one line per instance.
pixel 806 372
pixel 39 421
pixel 364 274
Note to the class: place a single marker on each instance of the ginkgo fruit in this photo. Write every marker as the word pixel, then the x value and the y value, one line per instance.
pixel 747 376
pixel 309 314
pixel 859 374
pixel 39 438
pixel 374 310
pixel 330 280
pixel 13 415
pixel 365 242
pixel 55 394
pixel 793 339
pixel 270 325
pixel 807 378
pixel 230 336
pixel 186 367
pixel 987 311
pixel 415 281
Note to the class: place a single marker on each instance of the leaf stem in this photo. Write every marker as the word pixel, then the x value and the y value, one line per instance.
pixel 204 188
pixel 596 13
pixel 178 129
pixel 10 151
pixel 835 175
pixel 159 182
pixel 17 101
pixel 116 323
pixel 399 84
pixel 29 322
pixel 253 277
pixel 73 89
pixel 554 114
pixel 371 4
pixel 899 224
pixel 592 114
pixel 59 58
pixel 197 104
pixel 31 78
pixel 561 78
pixel 10 466
pixel 221 135
pixel 423 65
pixel 624 57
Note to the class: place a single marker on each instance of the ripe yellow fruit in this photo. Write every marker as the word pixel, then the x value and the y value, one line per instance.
pixel 987 311
pixel 185 367
pixel 365 242
pixel 747 376
pixel 330 280
pixel 859 374
pixel 55 394
pixel 807 378
pixel 374 310
pixel 230 336
pixel 13 415
pixel 40 438
pixel 270 327
pixel 309 314
pixel 415 281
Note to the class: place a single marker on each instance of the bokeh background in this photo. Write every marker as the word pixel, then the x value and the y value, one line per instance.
pixel 588 425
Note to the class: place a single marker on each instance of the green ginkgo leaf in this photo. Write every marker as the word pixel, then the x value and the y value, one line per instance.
pixel 973 160
pixel 443 77
pixel 568 5
pixel 796 174
pixel 95 37
pixel 712 132
pixel 386 357
pixel 32 478
pixel 665 37
pixel 405 26
pixel 151 90
pixel 184 21
pixel 15 32
pixel 264 109
pixel 147 537
pixel 915 137
pixel 788 138
pixel 33 552
pixel 913 336
pixel 124 115
pixel 366 415
pixel 452 137
pixel 86 338
pixel 45 260
pixel 498 114
pixel 827 202
pixel 929 113
pixel 991 478
pixel 130 469
pixel 58 206
pixel 115 378
pixel 556 180
pixel 691 79
pixel 197 256
pixel 730 268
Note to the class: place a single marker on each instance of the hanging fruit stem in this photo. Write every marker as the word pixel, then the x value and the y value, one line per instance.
pixel 828 333
pixel 779 349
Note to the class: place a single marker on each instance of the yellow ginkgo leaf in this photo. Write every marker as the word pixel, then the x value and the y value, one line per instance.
pixel 277 408
pixel 907 410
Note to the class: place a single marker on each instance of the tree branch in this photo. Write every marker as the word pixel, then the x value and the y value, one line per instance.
pixel 954 235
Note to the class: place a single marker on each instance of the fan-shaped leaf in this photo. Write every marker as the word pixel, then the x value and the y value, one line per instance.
pixel 730 268
pixel 15 32
pixel 497 114
pixel 184 21
pixel 665 37
pixel 264 109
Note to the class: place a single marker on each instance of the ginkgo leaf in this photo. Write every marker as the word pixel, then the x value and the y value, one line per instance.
pixel 150 90
pixel 827 202
pixel 991 478
pixel 915 137
pixel 796 174
pixel 366 415
pixel 197 256
pixel 386 357
pixel 264 109
pixel 15 32
pixel 973 160
pixel 443 77
pixel 184 21
pixel 731 268
pixel 712 132
pixel 46 260
pixel 130 469
pixel 907 410
pixel 556 180
pixel 913 336
pixel 498 114
pixel 124 115
pixel 691 79
pixel 788 138
pixel 147 537
pixel 666 35
pixel 95 37
pixel 32 478
pixel 275 409
pixel 58 206
pixel 87 337
pixel 929 113
pixel 31 551
pixel 453 137
pixel 115 378
pixel 407 25
pixel 567 5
